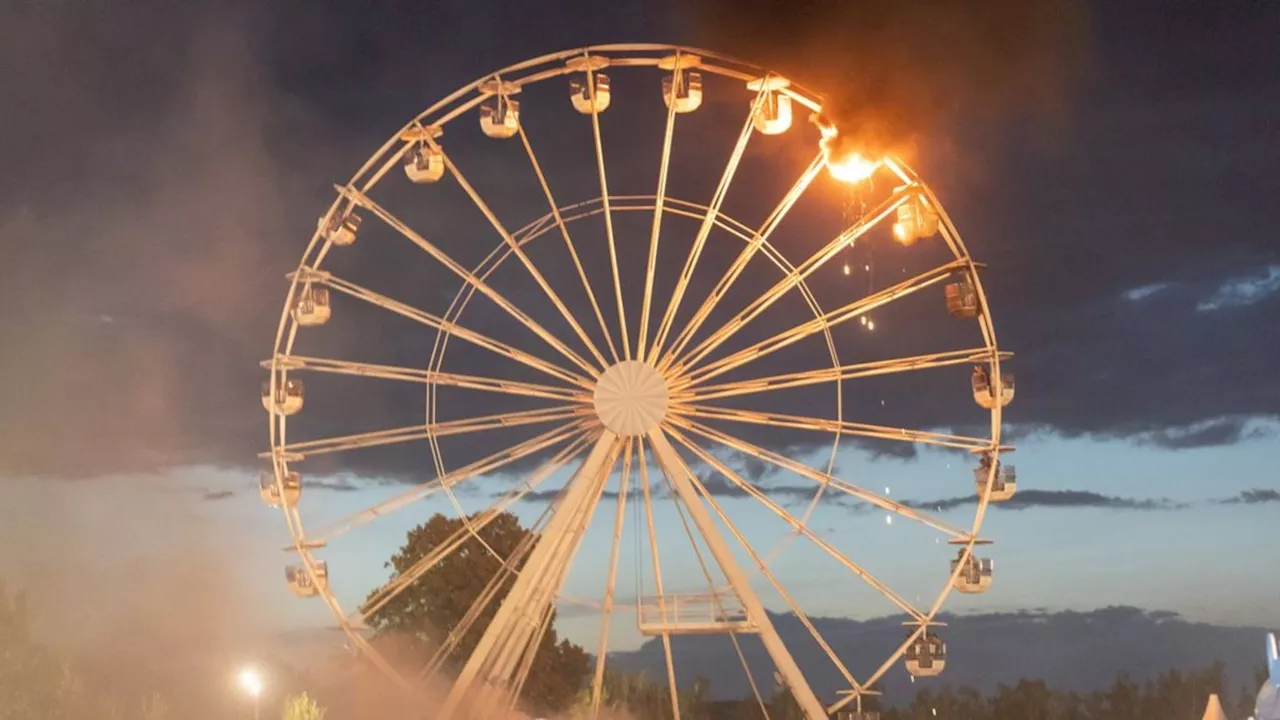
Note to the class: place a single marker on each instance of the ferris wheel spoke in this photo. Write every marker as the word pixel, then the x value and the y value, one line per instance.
pixel 624 486
pixel 849 236
pixel 515 247
pixel 411 433
pixel 880 671
pixel 608 214
pixel 857 308
pixel 763 567
pixel 713 593
pixel 294 363
pixel 493 462
pixel 467 276
pixel 384 595
pixel 660 198
pixel 822 478
pixel 837 374
pixel 842 427
pixel 683 480
pixel 646 494
pixel 438 323
pixel 799 526
pixel 708 222
pixel 754 243
pixel 568 242
pixel 509 634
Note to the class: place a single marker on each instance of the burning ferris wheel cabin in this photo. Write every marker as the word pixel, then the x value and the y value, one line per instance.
pixel 602 368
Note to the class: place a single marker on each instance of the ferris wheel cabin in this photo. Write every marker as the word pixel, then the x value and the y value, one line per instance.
pixel 288 398
pixel 962 298
pixel 341 228
pixel 926 656
pixel 1003 486
pixel 773 116
pixel 311 306
pixel 271 492
pixel 682 88
pixel 587 98
pixel 976 576
pixel 500 114
pixel 985 395
pixel 300 581
pixel 916 221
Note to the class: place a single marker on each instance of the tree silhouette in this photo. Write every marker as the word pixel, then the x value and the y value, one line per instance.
pixel 437 602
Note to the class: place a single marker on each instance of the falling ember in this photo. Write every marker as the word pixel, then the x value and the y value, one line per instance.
pixel 846 268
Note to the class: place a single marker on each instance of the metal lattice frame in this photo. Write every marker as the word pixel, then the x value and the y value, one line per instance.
pixel 683 358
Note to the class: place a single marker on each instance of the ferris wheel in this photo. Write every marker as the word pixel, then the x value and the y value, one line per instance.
pixel 617 352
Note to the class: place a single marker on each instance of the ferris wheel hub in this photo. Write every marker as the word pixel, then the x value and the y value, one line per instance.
pixel 631 398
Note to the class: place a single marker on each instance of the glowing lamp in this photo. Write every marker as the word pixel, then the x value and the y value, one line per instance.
pixel 250 681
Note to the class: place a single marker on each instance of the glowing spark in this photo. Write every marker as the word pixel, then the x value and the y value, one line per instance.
pixel 871 324
pixel 846 268
pixel 888 519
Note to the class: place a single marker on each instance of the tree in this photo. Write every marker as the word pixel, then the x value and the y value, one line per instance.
pixel 436 603
pixel 302 707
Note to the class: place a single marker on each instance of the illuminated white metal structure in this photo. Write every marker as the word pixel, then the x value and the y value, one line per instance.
pixel 631 391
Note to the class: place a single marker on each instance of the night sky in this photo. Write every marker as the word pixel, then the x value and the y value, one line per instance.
pixel 165 163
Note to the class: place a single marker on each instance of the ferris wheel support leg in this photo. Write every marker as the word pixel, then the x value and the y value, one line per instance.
pixel 510 630
pixel 678 473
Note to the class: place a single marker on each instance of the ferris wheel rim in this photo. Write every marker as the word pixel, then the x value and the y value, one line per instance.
pixel 949 233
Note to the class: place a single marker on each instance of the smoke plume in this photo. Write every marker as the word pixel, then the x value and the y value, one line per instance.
pixel 892 70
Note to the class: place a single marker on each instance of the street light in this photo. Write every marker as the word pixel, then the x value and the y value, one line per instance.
pixel 251 682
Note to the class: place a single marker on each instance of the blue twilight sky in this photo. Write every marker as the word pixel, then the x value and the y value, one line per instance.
pixel 1130 237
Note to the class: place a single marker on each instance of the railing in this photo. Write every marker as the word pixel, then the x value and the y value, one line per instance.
pixel 693 614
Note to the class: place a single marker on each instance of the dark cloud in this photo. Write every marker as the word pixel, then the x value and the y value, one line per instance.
pixel 1026 499
pixel 147 264
pixel 1256 496
pixel 1222 431
pixel 753 468
pixel 334 484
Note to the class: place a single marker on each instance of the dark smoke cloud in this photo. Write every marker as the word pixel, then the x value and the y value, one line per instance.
pixel 892 70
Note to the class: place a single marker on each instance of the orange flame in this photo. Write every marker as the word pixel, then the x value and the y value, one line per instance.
pixel 852 168
pixel 844 164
